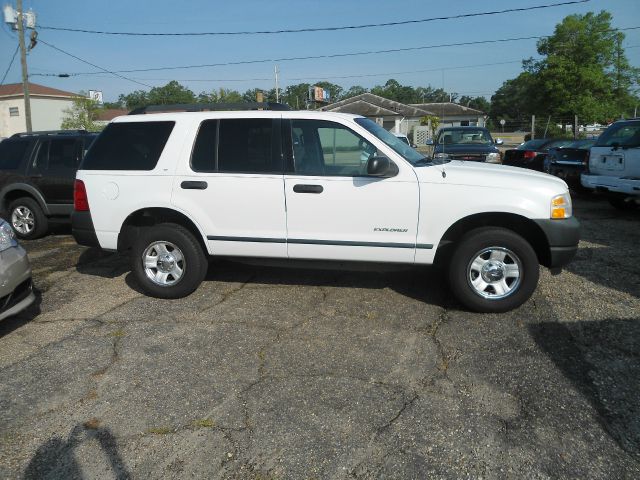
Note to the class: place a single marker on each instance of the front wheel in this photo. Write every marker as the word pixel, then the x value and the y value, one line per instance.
pixel 168 261
pixel 493 270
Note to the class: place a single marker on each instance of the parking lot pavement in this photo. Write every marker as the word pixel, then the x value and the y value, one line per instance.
pixel 272 373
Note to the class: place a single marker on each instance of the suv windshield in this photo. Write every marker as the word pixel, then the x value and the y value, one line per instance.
pixel 464 136
pixel 624 134
pixel 408 153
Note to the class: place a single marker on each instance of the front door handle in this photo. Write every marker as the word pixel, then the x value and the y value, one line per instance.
pixel 307 188
pixel 192 185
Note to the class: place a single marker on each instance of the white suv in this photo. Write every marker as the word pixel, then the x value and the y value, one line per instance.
pixel 174 188
pixel 614 164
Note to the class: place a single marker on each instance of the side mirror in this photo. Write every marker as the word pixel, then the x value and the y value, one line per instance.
pixel 413 145
pixel 381 167
pixel 499 141
pixel 429 142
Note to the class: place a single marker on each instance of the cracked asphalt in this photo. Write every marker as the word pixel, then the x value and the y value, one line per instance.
pixel 268 372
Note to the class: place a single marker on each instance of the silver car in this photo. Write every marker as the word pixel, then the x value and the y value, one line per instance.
pixel 16 289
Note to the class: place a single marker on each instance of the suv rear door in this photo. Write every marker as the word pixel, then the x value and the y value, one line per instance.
pixel 233 186
pixel 617 151
pixel 53 171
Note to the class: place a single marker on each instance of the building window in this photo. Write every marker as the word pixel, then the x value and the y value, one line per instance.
pixel 14 112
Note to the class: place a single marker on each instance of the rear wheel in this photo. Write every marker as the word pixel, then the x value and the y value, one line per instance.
pixel 493 270
pixel 622 203
pixel 168 261
pixel 27 218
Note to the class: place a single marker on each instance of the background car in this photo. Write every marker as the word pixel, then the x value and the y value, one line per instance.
pixel 532 154
pixel 569 161
pixel 466 143
pixel 405 139
pixel 37 171
pixel 16 288
pixel 614 164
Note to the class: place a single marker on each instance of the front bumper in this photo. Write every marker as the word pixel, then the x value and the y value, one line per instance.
pixel 563 237
pixel 16 289
pixel 605 183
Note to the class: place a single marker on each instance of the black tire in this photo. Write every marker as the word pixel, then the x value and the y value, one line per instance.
pixel 510 291
pixel 27 219
pixel 621 203
pixel 189 258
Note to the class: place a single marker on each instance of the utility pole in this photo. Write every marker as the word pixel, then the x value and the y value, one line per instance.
pixel 23 61
pixel 277 88
pixel 533 127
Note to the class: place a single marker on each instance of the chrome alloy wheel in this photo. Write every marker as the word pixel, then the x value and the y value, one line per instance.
pixel 23 220
pixel 163 263
pixel 494 273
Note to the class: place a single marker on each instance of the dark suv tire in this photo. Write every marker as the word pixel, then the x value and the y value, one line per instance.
pixel 168 261
pixel 27 218
pixel 493 270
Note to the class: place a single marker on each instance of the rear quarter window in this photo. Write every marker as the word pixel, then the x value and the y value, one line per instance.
pixel 128 146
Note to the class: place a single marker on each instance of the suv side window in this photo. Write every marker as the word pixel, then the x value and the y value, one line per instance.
pixel 245 145
pixel 11 153
pixel 237 146
pixel 63 154
pixel 329 149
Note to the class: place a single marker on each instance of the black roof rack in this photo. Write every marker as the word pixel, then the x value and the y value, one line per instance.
pixel 50 132
pixel 209 107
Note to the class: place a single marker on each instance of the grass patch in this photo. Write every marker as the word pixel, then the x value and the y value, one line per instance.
pixel 203 423
pixel 117 333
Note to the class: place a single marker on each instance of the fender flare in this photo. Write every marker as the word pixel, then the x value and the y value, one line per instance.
pixel 29 190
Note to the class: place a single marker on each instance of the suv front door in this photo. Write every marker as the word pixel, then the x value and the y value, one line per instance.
pixel 335 211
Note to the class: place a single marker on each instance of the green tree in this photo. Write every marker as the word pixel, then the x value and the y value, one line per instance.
pixel 222 95
pixel 353 91
pixel 136 99
pixel 478 103
pixel 82 115
pixel 171 93
pixel 583 71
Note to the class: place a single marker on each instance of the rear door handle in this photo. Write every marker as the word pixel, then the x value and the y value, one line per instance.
pixel 193 185
pixel 307 188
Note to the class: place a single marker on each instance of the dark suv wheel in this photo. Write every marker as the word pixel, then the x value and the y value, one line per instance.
pixel 493 270
pixel 168 261
pixel 27 218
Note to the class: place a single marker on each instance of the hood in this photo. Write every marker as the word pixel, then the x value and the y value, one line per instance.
pixel 491 175
pixel 466 148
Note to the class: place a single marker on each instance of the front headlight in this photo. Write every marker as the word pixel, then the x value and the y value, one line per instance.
pixel 493 158
pixel 561 206
pixel 7 237
pixel 441 155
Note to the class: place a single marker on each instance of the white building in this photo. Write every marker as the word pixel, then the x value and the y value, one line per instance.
pixel 47 108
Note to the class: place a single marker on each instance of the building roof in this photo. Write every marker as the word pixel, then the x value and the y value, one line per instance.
pixel 15 90
pixel 370 105
pixel 109 114
pixel 449 109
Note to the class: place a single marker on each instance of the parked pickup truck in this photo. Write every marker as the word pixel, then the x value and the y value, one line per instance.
pixel 175 188
pixel 614 164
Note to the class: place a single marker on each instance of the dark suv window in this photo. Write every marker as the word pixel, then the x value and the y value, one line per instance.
pixel 237 146
pixel 11 153
pixel 128 146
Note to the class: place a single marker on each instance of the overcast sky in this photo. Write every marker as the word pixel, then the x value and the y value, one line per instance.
pixel 424 67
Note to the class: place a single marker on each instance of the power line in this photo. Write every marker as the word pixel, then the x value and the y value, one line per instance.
pixel 10 65
pixel 335 55
pixel 93 64
pixel 318 29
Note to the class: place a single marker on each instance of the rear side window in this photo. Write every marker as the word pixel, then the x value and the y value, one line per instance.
pixel 621 134
pixel 246 145
pixel 128 146
pixel 11 153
